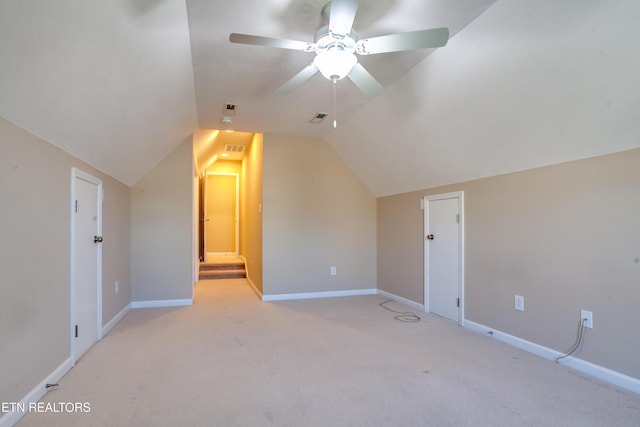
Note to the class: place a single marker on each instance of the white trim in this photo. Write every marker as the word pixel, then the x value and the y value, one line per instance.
pixel 248 277
pixel 10 418
pixel 117 318
pixel 162 303
pixel 311 295
pixel 401 300
pixel 425 204
pixel 254 288
pixel 605 374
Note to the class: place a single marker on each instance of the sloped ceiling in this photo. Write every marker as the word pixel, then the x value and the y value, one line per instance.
pixel 110 82
pixel 527 84
pixel 521 83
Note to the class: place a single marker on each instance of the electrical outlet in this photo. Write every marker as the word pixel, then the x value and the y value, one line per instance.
pixel 117 286
pixel 519 303
pixel 333 271
pixel 584 314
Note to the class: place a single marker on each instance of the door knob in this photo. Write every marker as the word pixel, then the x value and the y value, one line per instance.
pixel 97 239
pixel 430 237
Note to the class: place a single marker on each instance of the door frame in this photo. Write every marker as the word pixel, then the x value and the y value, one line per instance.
pixel 426 200
pixel 237 219
pixel 78 174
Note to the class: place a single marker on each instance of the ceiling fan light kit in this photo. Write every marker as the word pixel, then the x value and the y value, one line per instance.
pixel 334 54
pixel 335 64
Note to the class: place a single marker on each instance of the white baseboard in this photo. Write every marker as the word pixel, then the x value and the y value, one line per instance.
pixel 254 288
pixel 600 372
pixel 162 303
pixel 311 295
pixel 402 300
pixel 117 318
pixel 10 418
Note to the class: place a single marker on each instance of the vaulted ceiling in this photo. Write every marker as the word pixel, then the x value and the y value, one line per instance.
pixel 520 84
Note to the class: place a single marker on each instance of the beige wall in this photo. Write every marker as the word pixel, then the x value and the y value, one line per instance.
pixel 566 237
pixel 226 166
pixel 35 189
pixel 251 210
pixel 162 229
pixel 316 214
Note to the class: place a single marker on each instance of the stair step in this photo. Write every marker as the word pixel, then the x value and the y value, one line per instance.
pixel 222 270
pixel 222 274
pixel 225 266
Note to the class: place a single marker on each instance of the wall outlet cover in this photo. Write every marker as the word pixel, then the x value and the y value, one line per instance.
pixel 588 315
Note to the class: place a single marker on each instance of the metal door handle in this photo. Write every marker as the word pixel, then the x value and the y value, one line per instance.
pixel 97 239
pixel 430 237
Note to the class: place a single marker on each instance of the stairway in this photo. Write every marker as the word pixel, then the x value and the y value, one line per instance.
pixel 232 269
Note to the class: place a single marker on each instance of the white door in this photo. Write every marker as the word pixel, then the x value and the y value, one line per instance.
pixel 86 259
pixel 443 256
pixel 221 230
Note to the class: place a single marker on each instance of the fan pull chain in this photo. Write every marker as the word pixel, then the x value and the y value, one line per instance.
pixel 335 117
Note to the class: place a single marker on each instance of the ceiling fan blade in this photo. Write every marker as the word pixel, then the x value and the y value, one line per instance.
pixel 365 81
pixel 298 79
pixel 420 39
pixel 343 12
pixel 271 42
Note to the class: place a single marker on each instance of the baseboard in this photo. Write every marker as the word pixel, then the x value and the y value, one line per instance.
pixel 248 277
pixel 10 418
pixel 162 303
pixel 254 288
pixel 605 374
pixel 402 300
pixel 311 295
pixel 117 318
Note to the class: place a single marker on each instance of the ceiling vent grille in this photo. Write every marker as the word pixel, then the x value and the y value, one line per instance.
pixel 234 148
pixel 229 109
pixel 318 118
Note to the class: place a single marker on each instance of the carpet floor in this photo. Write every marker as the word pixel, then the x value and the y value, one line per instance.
pixel 232 360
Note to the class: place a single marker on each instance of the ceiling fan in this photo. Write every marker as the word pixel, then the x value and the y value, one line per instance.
pixel 336 44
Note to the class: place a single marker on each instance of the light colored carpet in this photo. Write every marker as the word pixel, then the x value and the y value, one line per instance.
pixel 231 360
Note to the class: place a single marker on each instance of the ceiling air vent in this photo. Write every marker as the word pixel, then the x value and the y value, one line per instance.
pixel 229 109
pixel 234 148
pixel 318 118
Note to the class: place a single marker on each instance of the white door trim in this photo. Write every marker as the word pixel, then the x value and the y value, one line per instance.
pixel 454 195
pixel 78 174
pixel 237 219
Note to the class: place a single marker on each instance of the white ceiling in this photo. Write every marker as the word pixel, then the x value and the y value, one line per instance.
pixel 521 84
